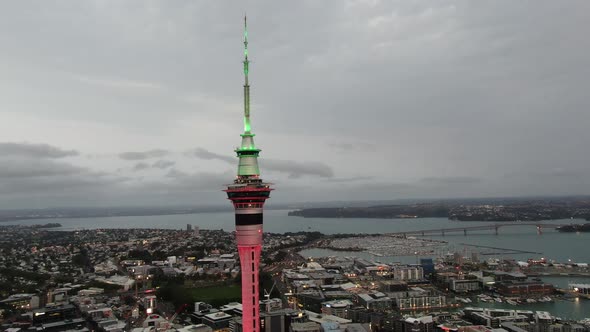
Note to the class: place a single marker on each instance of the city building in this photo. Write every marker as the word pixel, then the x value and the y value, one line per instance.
pixel 464 285
pixel 427 265
pixel 420 324
pixel 305 327
pixel 54 314
pixel 195 328
pixel 22 301
pixel 374 301
pixel 337 308
pixel 524 288
pixel 496 317
pixel 248 194
pixel 217 320
pixel 407 273
pixel 580 288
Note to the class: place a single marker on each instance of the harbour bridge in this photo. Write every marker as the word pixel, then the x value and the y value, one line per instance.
pixel 465 229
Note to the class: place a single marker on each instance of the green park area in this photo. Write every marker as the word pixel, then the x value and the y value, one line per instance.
pixel 214 295
pixel 227 293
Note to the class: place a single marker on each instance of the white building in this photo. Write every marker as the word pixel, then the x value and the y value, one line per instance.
pixel 407 273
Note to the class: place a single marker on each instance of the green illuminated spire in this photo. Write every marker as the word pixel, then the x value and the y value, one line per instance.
pixel 247 152
pixel 246 85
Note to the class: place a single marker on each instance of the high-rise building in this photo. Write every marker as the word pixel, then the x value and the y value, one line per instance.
pixel 248 194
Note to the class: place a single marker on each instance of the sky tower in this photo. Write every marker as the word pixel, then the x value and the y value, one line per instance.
pixel 248 194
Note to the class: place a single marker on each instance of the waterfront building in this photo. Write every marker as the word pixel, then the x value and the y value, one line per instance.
pixel 421 302
pixel 248 194
pixel 525 288
pixel 464 285
pixel 580 288
pixel 519 327
pixel 506 276
pixel 495 317
pixel 407 273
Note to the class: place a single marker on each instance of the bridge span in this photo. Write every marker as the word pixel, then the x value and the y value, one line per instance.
pixel 494 227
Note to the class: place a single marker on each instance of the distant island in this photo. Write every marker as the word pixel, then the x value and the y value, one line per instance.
pixel 383 212
pixel 67 213
pixel 48 225
pixel 507 210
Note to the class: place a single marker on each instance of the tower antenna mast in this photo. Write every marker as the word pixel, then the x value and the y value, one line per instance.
pixel 246 84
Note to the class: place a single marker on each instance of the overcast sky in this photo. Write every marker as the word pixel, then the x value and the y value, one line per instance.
pixel 140 102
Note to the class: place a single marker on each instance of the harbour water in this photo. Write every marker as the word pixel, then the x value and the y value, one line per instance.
pixel 552 245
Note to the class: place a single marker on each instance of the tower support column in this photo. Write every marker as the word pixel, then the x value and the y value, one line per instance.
pixel 250 263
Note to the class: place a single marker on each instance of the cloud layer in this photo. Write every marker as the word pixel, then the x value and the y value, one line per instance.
pixel 366 100
pixel 34 150
pixel 156 153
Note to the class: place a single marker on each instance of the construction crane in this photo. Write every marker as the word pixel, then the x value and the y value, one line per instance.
pixel 267 294
pixel 171 319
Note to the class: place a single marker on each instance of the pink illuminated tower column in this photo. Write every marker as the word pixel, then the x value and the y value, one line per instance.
pixel 248 194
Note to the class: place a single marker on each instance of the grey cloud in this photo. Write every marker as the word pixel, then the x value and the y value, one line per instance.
pixel 163 164
pixel 179 181
pixel 174 173
pixel 356 146
pixel 565 172
pixel 450 180
pixel 160 164
pixel 119 84
pixel 540 174
pixel 141 166
pixel 156 153
pixel 45 181
pixel 208 155
pixel 27 168
pixel 34 150
pixel 350 179
pixel 294 169
pixel 60 185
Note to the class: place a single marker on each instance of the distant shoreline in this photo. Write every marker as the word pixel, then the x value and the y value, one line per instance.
pixel 509 211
